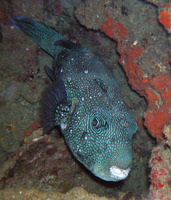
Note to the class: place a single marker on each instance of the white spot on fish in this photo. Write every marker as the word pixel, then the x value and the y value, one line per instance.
pixel 69 79
pixel 71 131
pixel 82 98
pixel 63 126
pixel 100 94
pixel 86 71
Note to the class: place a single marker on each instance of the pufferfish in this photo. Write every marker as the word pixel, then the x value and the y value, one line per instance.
pixel 84 100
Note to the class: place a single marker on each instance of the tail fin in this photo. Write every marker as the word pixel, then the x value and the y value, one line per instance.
pixel 41 34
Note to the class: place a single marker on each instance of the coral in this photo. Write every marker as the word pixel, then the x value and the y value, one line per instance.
pixel 164 10
pixel 113 30
pixel 165 17
pixel 157 114
pixel 143 50
pixel 167 134
pixel 32 128
pixel 47 158
pixel 159 97
pixel 160 163
pixel 76 193
pixel 33 194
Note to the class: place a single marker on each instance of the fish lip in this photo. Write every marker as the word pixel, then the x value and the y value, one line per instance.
pixel 118 173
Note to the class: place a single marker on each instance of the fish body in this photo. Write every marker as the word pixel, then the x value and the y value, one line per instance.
pixel 85 101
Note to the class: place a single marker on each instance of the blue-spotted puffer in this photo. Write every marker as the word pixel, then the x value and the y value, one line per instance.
pixel 85 101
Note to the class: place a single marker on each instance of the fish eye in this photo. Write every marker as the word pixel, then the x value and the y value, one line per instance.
pixel 98 124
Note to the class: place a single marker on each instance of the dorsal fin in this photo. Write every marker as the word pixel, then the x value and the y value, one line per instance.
pixel 50 73
pixel 69 45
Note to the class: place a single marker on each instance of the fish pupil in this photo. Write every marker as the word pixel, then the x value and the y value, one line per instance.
pixel 95 122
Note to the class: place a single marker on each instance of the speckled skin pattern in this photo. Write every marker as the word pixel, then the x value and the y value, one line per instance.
pixel 99 130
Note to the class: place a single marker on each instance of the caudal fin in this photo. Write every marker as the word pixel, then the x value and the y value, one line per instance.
pixel 41 34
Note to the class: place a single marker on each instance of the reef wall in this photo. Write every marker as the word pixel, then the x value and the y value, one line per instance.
pixel 143 46
pixel 129 35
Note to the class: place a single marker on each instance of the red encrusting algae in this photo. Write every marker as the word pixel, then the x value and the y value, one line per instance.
pixel 164 17
pixel 116 31
pixel 156 89
pixel 160 173
pixel 32 127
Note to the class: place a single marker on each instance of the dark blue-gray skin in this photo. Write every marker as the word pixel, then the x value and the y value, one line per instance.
pixel 85 101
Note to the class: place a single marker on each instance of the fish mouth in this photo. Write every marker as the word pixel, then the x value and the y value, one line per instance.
pixel 113 173
pixel 117 173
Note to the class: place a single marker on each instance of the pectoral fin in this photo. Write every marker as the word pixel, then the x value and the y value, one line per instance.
pixel 53 96
pixel 56 110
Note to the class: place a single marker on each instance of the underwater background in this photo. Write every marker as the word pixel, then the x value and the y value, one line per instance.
pixel 132 38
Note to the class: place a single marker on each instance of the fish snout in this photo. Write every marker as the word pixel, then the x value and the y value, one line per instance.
pixel 118 173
